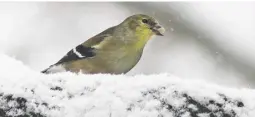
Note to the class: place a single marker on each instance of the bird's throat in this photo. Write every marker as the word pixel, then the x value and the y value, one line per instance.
pixel 142 39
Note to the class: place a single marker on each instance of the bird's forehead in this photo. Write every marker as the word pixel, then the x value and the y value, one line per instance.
pixel 146 17
pixel 141 16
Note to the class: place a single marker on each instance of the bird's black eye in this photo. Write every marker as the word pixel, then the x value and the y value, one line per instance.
pixel 145 21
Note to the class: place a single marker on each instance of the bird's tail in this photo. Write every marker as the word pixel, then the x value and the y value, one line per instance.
pixel 45 71
pixel 54 69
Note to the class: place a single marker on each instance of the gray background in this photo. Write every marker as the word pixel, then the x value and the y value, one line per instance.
pixel 212 41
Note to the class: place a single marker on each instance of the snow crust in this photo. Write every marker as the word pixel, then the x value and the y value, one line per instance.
pixel 78 95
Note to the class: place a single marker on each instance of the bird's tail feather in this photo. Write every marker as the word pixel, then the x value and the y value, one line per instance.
pixel 45 71
pixel 54 69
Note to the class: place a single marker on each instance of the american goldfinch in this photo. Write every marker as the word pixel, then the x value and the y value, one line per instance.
pixel 116 50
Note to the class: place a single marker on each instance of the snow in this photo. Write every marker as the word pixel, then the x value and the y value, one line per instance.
pixel 75 95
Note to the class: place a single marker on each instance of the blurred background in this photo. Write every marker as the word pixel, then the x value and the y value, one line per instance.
pixel 212 41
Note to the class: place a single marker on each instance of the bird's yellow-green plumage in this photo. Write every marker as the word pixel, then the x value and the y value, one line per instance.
pixel 115 50
pixel 143 35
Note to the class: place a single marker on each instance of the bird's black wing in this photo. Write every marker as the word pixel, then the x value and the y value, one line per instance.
pixel 79 52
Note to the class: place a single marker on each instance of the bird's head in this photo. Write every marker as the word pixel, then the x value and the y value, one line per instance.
pixel 144 25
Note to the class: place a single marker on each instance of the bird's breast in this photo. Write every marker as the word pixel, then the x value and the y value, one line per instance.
pixel 121 61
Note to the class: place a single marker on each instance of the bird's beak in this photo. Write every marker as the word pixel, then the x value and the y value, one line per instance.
pixel 158 30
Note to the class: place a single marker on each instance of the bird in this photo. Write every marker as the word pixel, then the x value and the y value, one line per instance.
pixel 115 50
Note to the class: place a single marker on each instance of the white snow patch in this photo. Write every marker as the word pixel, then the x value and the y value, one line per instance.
pixel 110 95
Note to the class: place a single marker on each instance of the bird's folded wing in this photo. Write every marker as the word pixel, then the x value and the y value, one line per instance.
pixel 86 49
pixel 79 52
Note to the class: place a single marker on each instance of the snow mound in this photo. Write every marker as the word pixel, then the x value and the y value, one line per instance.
pixel 24 92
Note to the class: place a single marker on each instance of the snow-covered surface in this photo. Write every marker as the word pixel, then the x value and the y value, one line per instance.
pixel 76 95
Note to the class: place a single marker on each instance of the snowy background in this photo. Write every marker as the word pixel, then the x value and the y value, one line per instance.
pixel 208 42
